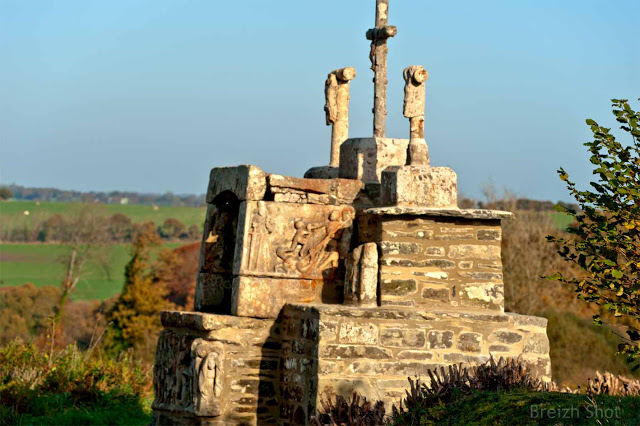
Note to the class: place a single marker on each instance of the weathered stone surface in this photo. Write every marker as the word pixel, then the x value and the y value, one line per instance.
pixel 351 332
pixel 489 295
pixel 527 320
pixel 440 212
pixel 213 292
pixel 489 235
pixel 361 277
pixel 322 172
pixel 399 248
pixel 351 351
pixel 285 240
pixel 466 251
pixel 365 158
pixel 407 338
pixel 506 337
pixel 262 297
pixel 199 375
pixel 336 90
pixel 437 294
pixel 440 339
pixel 469 342
pixel 398 287
pixel 246 182
pixel 419 186
pixel 415 77
pixel 537 343
pixel 337 191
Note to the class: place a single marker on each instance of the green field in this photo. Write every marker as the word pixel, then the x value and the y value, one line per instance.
pixel 14 211
pixel 40 264
pixel 562 220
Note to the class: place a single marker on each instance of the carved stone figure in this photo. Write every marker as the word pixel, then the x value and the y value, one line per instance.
pixel 336 107
pixel 415 77
pixel 208 369
pixel 314 245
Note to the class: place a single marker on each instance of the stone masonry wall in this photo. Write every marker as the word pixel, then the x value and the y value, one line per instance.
pixel 432 261
pixel 248 377
pixel 374 350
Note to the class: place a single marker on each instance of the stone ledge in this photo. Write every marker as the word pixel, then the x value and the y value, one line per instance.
pixel 440 212
pixel 200 321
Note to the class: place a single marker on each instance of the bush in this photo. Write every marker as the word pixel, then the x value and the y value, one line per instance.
pixel 357 411
pixel 71 387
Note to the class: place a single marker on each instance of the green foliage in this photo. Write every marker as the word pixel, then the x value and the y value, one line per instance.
pixel 5 193
pixel 70 388
pixel 606 234
pixel 135 317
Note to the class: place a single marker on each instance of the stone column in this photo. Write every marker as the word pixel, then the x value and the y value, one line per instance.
pixel 336 90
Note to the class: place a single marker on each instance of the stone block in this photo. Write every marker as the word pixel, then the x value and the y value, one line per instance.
pixel 407 338
pixel 440 339
pixel 351 332
pixel 262 297
pixel 469 342
pixel 213 293
pixel 286 240
pixel 537 343
pixel 322 172
pixel 489 295
pixel 246 182
pixel 419 186
pixel 365 158
pixel 398 287
pixel 316 191
pixel 471 251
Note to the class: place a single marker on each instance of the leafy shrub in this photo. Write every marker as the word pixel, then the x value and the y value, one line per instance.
pixel 36 387
pixel 357 411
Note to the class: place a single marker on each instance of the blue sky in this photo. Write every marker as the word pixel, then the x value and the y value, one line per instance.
pixel 150 95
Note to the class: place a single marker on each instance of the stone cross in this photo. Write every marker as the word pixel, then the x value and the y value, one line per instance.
pixel 336 91
pixel 378 57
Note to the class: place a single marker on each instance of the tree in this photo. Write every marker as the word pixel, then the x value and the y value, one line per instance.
pixel 5 193
pixel 85 235
pixel 606 232
pixel 120 227
pixel 136 314
pixel 171 228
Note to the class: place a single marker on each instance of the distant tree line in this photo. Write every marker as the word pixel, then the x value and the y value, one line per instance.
pixel 18 192
pixel 118 228
pixel 520 204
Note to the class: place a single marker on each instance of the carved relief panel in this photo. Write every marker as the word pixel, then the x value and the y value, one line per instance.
pixel 188 375
pixel 287 240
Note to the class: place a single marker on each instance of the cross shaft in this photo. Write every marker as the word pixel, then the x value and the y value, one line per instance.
pixel 378 57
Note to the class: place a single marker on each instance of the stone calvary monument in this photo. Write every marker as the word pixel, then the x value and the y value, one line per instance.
pixel 355 277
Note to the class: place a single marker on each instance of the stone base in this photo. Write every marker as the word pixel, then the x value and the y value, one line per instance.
pixel 422 186
pixel 365 158
pixel 337 350
pixel 278 370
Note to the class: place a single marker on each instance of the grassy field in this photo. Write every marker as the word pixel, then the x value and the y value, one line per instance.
pixel 561 220
pixel 13 211
pixel 40 264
